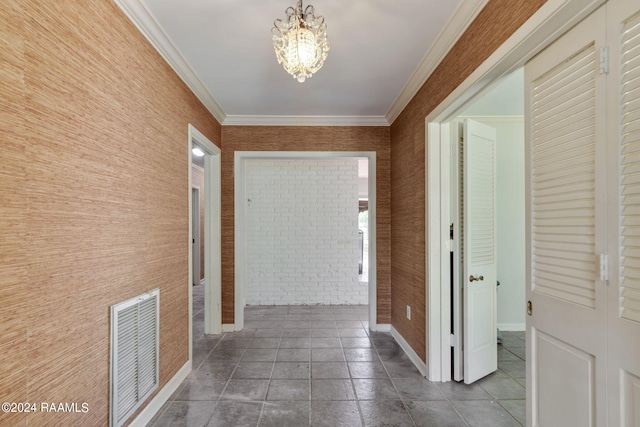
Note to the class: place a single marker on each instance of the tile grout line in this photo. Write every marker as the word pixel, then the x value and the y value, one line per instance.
pixel 353 387
pixel 184 383
pixel 404 405
pixel 252 335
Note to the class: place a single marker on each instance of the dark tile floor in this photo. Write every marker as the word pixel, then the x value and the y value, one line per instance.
pixel 321 366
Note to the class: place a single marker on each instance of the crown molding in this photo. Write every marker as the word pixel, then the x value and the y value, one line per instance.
pixel 139 15
pixel 464 15
pixel 238 120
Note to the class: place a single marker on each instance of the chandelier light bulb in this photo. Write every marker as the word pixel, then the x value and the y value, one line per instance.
pixel 300 41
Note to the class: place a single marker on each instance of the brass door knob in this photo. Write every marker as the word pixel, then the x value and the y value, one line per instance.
pixel 473 278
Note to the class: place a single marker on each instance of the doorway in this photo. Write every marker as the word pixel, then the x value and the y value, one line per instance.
pixel 210 155
pixel 553 19
pixel 242 203
pixel 501 109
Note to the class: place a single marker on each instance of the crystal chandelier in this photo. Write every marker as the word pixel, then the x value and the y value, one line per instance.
pixel 300 41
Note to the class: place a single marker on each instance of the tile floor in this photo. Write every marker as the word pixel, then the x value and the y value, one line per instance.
pixel 321 366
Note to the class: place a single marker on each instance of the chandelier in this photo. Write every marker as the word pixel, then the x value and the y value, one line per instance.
pixel 300 41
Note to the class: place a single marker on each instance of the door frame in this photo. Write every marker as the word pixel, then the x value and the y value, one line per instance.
pixel 195 212
pixel 212 233
pixel 239 223
pixel 553 19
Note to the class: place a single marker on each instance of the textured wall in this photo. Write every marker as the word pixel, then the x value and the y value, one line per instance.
pixel 495 23
pixel 302 243
pixel 93 199
pixel 276 138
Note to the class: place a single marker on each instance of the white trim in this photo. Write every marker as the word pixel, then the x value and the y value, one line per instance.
pixel 372 230
pixel 381 327
pixel 202 281
pixel 463 16
pixel 422 367
pixel 239 120
pixel 239 220
pixel 239 241
pixel 162 397
pixel 190 246
pixel 434 241
pixel 516 327
pixel 201 169
pixel 549 22
pixel 140 16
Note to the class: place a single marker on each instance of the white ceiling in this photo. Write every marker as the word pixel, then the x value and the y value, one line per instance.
pixel 381 53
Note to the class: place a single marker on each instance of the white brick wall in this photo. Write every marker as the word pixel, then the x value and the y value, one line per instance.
pixel 302 232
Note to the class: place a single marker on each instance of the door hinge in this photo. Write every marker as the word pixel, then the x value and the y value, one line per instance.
pixel 604 267
pixel 452 340
pixel 604 60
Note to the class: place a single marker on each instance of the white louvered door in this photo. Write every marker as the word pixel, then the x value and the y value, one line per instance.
pixel 479 265
pixel 566 186
pixel 623 315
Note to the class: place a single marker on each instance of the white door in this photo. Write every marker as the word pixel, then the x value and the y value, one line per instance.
pixel 623 297
pixel 479 251
pixel 565 152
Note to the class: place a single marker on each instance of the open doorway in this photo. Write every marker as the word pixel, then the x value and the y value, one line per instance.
pixel 204 236
pixel 246 206
pixel 501 109
pixel 551 20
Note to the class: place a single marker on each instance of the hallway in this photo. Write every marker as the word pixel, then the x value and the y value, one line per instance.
pixel 321 366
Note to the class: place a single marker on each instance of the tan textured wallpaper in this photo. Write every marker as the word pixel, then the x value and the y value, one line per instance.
pixel 495 23
pixel 93 199
pixel 276 138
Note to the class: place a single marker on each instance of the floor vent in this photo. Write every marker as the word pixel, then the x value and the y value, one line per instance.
pixel 134 354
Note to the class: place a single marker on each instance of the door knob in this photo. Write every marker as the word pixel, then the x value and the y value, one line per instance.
pixel 473 278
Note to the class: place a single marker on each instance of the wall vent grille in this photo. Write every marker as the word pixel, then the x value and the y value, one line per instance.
pixel 134 354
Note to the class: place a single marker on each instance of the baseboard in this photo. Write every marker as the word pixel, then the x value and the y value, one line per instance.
pixel 161 398
pixel 516 327
pixel 422 367
pixel 381 327
pixel 228 327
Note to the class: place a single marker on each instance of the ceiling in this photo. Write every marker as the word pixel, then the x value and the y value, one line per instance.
pixel 381 53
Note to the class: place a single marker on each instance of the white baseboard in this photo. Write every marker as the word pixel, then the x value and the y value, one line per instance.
pixel 422 367
pixel 381 327
pixel 516 327
pixel 228 327
pixel 161 398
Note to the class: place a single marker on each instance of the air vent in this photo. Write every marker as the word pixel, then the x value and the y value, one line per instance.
pixel 134 354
